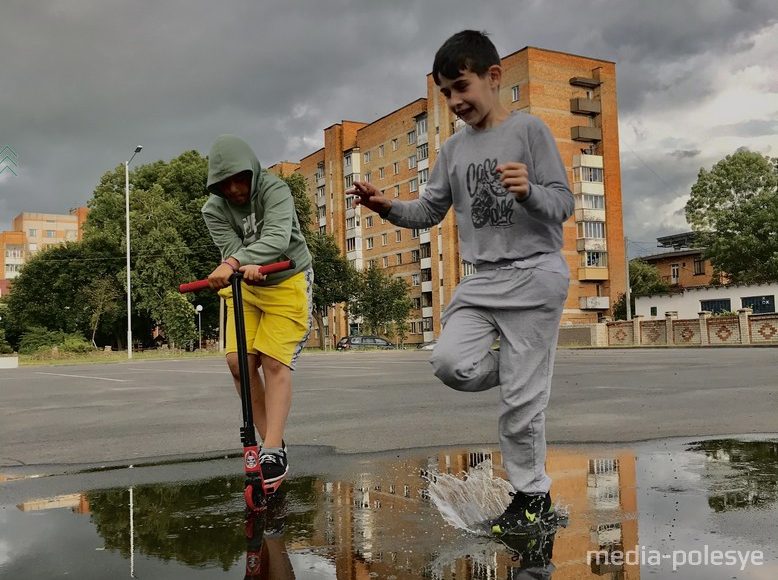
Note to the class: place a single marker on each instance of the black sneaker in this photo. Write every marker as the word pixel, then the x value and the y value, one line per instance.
pixel 526 513
pixel 274 469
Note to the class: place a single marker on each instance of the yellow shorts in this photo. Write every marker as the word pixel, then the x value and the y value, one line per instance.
pixel 278 318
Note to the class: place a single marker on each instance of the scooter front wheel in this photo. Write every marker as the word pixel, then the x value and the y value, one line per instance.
pixel 255 499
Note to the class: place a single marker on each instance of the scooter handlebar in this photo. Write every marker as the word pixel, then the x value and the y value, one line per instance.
pixel 266 269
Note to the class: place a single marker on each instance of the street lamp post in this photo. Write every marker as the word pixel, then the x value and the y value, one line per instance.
pixel 199 310
pixel 127 226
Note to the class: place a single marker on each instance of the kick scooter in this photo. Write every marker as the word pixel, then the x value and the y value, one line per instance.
pixel 255 491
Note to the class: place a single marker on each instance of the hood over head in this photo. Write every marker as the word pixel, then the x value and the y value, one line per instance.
pixel 229 156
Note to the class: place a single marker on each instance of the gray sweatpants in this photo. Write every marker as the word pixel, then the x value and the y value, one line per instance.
pixel 523 307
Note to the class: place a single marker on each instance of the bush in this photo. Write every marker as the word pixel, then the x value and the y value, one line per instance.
pixel 76 343
pixel 39 339
pixel 5 348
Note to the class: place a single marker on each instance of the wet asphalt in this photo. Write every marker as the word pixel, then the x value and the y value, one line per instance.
pixel 654 467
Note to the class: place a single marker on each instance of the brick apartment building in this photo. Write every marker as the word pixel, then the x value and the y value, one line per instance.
pixel 33 232
pixel 574 95
pixel 686 265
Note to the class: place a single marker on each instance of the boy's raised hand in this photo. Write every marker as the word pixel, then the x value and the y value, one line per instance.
pixel 370 197
pixel 514 178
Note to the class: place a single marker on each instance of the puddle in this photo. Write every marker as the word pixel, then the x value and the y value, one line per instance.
pixel 667 508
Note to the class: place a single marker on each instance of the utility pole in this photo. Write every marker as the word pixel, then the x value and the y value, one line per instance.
pixel 628 294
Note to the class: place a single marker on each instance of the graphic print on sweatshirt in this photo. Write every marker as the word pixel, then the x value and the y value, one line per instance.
pixel 249 229
pixel 491 203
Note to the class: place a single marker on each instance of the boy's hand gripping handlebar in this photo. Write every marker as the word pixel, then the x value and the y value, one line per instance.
pixel 267 269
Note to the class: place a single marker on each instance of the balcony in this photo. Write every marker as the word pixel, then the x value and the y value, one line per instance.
pixel 587 161
pixel 594 188
pixel 426 263
pixel 592 273
pixel 426 286
pixel 591 244
pixel 581 106
pixel 586 134
pixel 589 215
pixel 426 312
pixel 594 302
pixel 586 82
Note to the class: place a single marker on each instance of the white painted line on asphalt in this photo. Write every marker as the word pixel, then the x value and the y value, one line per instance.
pixel 198 372
pixel 84 377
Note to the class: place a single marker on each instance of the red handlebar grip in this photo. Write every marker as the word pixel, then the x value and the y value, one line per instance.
pixel 267 269
pixel 193 286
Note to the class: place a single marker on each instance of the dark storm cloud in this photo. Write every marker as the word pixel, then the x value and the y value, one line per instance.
pixel 685 153
pixel 84 81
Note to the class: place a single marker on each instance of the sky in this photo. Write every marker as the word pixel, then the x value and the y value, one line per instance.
pixel 85 81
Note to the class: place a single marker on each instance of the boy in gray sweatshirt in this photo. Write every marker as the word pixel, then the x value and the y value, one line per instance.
pixel 505 178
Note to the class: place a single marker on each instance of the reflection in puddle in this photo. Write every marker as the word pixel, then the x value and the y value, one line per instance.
pixel 379 522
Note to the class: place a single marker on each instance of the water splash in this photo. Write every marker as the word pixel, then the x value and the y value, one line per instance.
pixel 468 501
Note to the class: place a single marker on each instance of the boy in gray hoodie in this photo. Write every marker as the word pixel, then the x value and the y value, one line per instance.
pixel 252 220
pixel 505 178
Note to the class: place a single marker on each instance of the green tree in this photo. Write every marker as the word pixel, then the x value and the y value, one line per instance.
pixel 104 302
pixel 733 208
pixel 53 289
pixel 177 317
pixel 333 278
pixel 380 300
pixel 644 279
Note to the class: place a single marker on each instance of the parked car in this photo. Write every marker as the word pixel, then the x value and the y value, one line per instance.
pixel 360 342
pixel 427 345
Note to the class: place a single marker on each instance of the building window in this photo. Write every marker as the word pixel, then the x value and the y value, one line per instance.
pixel 323 229
pixel 411 137
pixel 351 223
pixel 699 267
pixel 51 234
pixel 320 171
pixel 653 311
pixel 587 174
pixel 425 250
pixel 591 230
pixel 675 273
pixel 594 201
pixel 716 306
pixel 398 236
pixel 414 256
pixel 397 191
pixel 595 259
pixel 351 244
pixel 414 233
pixel 399 259
pixel 347 160
pixel 514 93
pixel 759 304
pixel 367 156
pixel 349 180
pixel 350 201
pixel 396 167
pixel 426 275
pixel 33 233
pixel 413 185
pixel 322 212
pixel 371 263
pixel 370 243
pixel 427 322
pixel 424 176
pixel 411 162
pixel 385 261
pixel 368 176
pixel 414 279
pixel 417 303
pixel 394 144
pixel 421 124
pixel 369 221
pixel 380 172
pixel 422 151
pixel 384 239
pixel 380 151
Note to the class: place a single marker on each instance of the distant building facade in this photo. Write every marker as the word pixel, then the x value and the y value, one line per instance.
pixel 33 232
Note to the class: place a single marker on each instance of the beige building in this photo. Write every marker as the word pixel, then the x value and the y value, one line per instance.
pixel 574 95
pixel 33 232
